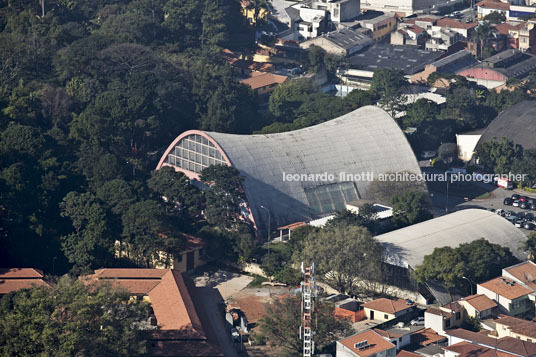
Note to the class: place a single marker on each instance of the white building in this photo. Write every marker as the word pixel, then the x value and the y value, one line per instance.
pixel 467 144
pixel 340 10
pixel 401 7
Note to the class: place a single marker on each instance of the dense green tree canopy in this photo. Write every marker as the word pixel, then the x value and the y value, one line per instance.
pixel 410 207
pixel 346 254
pixel 479 261
pixel 69 320
pixel 282 322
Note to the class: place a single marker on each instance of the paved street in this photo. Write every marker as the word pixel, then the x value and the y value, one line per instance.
pixel 454 203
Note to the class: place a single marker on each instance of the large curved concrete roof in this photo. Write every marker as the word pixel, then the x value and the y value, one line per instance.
pixel 409 245
pixel 517 123
pixel 365 140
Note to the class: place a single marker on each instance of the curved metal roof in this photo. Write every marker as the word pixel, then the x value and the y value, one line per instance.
pixel 517 123
pixel 409 245
pixel 365 140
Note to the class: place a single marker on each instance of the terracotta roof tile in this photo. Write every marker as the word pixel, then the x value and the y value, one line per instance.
pixel 426 337
pixel 480 302
pixel 376 343
pixel 9 285
pixel 407 354
pixel 183 322
pixel 20 278
pixel 20 273
pixel 507 344
pixel 494 4
pixel 466 349
pixel 506 288
pixel 518 326
pixel 447 22
pixel 259 80
pixel 389 306
pixel 524 272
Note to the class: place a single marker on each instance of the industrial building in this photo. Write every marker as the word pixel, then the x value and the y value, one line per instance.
pixel 301 175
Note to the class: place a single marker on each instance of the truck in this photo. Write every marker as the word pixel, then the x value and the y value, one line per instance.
pixel 504 183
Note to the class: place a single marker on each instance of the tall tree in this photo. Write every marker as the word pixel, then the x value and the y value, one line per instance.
pixel 345 256
pixel 282 321
pixel 71 319
pixel 410 207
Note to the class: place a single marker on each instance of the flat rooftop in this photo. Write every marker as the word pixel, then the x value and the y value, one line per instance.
pixel 409 59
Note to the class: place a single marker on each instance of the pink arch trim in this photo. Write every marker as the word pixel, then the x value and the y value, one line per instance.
pixel 190 174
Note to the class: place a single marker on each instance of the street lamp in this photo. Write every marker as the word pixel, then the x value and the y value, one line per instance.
pixel 470 283
pixel 267 210
pixel 447 204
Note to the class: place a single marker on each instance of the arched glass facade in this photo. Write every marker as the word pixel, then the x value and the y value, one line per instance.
pixel 194 153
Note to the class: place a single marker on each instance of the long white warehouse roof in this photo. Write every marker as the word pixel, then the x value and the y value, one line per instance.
pixel 409 245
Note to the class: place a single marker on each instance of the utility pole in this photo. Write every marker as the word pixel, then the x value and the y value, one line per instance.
pixel 42 2
pixel 308 289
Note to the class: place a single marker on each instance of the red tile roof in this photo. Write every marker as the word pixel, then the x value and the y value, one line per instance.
pixel 505 27
pixel 448 22
pixel 507 344
pixel 426 337
pixel 494 4
pixel 506 288
pixel 389 306
pixel 175 303
pixel 416 29
pixel 524 272
pixel 518 326
pixel 20 278
pixel 480 302
pixel 20 273
pixel 466 349
pixel 260 80
pixel 376 343
pixel 407 354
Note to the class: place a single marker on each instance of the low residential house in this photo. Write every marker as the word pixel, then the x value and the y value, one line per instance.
pixel 427 337
pixel 444 317
pixel 486 7
pixel 248 11
pixel 407 354
pixel 524 273
pixel 185 328
pixel 263 83
pixel 431 351
pixel 478 306
pixel 442 40
pixel 192 255
pixel 412 35
pixel 350 309
pixel 520 35
pixel 379 23
pixel 365 344
pixel 496 70
pixel 244 66
pixel 306 22
pixel 386 309
pixel 339 10
pixel 467 349
pixel 397 336
pixel 463 28
pixel 13 279
pixel 342 42
pixel 502 345
pixel 512 297
pixel 509 326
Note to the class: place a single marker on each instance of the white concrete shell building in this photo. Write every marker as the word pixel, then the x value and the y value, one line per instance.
pixel 406 247
pixel 366 140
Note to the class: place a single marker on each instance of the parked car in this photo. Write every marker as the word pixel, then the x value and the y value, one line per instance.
pixel 508 201
pixel 516 203
pixel 515 196
pixel 529 216
pixel 523 198
pixel 519 223
pixel 529 226
pixel 500 212
pixel 419 321
pixel 491 210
